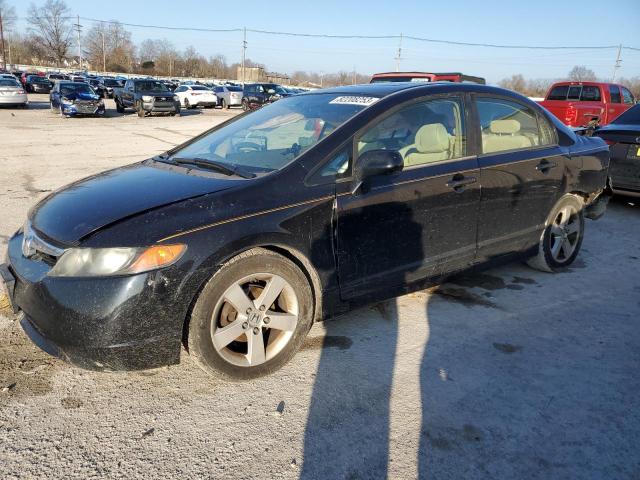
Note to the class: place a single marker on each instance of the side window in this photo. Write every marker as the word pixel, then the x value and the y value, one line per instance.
pixel 259 89
pixel 559 93
pixel 615 94
pixel 507 125
pixel 338 167
pixel 179 89
pixel 423 132
pixel 590 93
pixel 627 96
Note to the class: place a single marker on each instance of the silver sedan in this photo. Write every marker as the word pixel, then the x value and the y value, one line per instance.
pixel 12 93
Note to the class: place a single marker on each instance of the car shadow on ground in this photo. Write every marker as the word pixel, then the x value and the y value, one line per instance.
pixel 494 374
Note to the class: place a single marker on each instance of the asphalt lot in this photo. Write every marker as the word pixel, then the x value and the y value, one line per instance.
pixel 509 373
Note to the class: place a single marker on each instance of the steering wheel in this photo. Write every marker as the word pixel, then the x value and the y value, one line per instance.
pixel 246 147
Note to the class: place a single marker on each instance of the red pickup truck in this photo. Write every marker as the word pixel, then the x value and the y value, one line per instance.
pixel 577 104
pixel 425 77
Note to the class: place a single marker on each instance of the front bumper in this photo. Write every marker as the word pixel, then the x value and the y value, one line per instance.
pixel 153 107
pixel 109 323
pixel 73 110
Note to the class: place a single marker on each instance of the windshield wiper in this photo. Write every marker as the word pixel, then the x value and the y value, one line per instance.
pixel 213 165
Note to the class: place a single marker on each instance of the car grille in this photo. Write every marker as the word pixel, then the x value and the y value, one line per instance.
pixel 86 107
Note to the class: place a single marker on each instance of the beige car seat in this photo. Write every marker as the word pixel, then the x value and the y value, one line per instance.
pixel 504 135
pixel 432 144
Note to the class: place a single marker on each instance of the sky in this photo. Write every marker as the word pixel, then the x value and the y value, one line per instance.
pixel 541 23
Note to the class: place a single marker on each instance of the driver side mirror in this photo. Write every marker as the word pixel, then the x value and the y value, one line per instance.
pixel 374 163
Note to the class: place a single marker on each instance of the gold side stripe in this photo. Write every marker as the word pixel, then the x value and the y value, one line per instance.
pixel 243 217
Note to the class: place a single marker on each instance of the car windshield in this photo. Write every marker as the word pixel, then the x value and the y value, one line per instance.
pixel 37 79
pixel 234 89
pixel 198 87
pixel 630 117
pixel 269 138
pixel 68 88
pixel 7 82
pixel 111 83
pixel 151 86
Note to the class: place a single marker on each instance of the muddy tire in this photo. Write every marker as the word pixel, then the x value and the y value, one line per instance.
pixel 561 239
pixel 251 317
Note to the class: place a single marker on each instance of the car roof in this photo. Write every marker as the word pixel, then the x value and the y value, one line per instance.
pixel 72 83
pixel 388 88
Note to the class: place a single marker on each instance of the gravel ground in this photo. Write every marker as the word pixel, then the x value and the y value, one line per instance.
pixel 509 373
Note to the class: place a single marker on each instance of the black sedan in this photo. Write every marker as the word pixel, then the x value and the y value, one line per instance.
pixel 623 137
pixel 235 242
pixel 37 84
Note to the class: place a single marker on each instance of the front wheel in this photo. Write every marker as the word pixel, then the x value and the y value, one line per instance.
pixel 119 107
pixel 140 110
pixel 251 317
pixel 562 237
pixel 245 105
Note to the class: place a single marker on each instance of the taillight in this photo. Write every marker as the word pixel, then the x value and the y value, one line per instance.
pixel 570 114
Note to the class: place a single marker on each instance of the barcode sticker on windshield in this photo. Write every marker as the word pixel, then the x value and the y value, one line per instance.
pixel 353 100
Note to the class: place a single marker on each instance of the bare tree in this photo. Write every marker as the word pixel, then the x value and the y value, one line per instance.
pixel 51 28
pixel 517 83
pixel 580 73
pixel 7 21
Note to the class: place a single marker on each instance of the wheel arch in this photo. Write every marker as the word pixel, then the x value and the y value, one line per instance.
pixel 290 253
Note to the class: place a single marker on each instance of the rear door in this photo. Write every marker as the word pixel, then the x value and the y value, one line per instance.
pixel 616 107
pixel 521 170
pixel 420 222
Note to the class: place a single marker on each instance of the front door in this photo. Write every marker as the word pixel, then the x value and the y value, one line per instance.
pixel 420 222
pixel 522 171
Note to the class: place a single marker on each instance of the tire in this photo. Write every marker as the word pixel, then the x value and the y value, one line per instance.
pixel 223 104
pixel 561 239
pixel 61 112
pixel 250 335
pixel 245 105
pixel 140 110
pixel 119 107
pixel 53 109
pixel 187 105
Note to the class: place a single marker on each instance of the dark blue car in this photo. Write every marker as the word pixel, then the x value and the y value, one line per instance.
pixel 75 98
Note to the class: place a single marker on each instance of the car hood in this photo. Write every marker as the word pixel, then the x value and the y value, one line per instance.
pixel 81 96
pixel 168 93
pixel 81 208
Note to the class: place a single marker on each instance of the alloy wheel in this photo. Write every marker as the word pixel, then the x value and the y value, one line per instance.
pixel 254 319
pixel 565 233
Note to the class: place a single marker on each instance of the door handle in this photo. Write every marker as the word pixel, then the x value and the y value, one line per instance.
pixel 545 165
pixel 458 182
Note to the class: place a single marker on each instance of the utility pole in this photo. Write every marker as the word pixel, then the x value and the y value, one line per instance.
pixel 617 64
pixel 244 52
pixel 4 55
pixel 78 28
pixel 354 74
pixel 104 52
pixel 399 54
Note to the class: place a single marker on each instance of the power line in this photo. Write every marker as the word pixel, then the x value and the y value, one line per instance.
pixel 367 37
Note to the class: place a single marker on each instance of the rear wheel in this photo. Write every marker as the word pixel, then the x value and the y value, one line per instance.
pixel 187 105
pixel 562 237
pixel 251 317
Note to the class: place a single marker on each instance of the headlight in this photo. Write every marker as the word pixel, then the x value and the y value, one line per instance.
pixel 147 98
pixel 98 262
pixel 67 102
pixel 176 98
